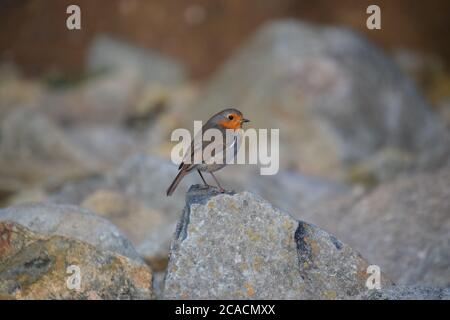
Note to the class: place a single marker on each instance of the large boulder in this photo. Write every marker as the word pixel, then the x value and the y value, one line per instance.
pixel 407 293
pixel 106 98
pixel 234 246
pixel 147 178
pixel 133 198
pixel 123 82
pixel 35 150
pixel 75 192
pixel 116 55
pixel 294 192
pixel 17 91
pixel 150 230
pixel 336 98
pixel 140 184
pixel 73 222
pixel 107 143
pixel 37 266
pixel 404 226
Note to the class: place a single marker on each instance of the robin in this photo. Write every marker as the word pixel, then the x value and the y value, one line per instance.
pixel 223 120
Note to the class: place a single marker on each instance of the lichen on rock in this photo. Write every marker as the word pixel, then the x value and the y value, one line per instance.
pixel 238 246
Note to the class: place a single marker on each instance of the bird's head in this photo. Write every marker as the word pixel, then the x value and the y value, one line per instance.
pixel 229 119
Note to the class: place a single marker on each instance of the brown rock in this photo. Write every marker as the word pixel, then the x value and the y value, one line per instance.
pixel 148 229
pixel 35 266
pixel 403 226
pixel 132 217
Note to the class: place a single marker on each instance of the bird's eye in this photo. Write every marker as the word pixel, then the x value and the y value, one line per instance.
pixel 230 117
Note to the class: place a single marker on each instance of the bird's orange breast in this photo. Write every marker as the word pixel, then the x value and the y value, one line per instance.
pixel 234 124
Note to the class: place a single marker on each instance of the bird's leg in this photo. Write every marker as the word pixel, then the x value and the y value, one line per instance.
pixel 222 190
pixel 204 181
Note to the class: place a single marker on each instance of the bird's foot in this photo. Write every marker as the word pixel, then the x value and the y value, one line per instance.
pixel 205 186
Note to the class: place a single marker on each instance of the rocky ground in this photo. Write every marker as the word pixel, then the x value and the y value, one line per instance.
pixel 364 177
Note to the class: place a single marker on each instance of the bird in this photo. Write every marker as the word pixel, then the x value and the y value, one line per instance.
pixel 226 119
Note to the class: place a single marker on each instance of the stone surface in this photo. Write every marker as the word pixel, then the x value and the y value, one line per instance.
pixel 127 213
pixel 147 178
pixel 74 192
pixel 294 192
pixel 133 197
pixel 336 98
pixel 106 99
pixel 404 226
pixel 34 150
pixel 113 54
pixel 230 246
pixel 385 165
pixel 108 144
pixel 149 230
pixel 121 76
pixel 16 92
pixel 158 284
pixel 444 111
pixel 408 293
pixel 154 249
pixel 35 266
pixel 71 221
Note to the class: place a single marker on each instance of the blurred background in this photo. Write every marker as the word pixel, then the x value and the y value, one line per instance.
pixel 201 34
pixel 86 115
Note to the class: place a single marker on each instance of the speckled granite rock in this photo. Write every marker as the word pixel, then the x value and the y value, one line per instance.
pixel 238 246
pixel 34 266
pixel 73 222
pixel 408 293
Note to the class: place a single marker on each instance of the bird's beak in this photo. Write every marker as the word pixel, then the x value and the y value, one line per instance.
pixel 245 120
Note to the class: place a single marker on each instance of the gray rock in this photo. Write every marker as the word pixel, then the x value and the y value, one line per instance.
pixel 17 91
pixel 35 150
pixel 158 284
pixel 113 54
pixel 337 99
pixel 234 246
pixel 385 165
pixel 133 198
pixel 149 230
pixel 408 293
pixel 109 144
pixel 155 247
pixel 444 111
pixel 404 226
pixel 141 176
pixel 106 99
pixel 74 192
pixel 147 178
pixel 73 222
pixel 36 266
pixel 294 192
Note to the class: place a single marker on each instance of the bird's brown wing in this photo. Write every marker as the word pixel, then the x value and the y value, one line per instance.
pixel 188 158
pixel 222 148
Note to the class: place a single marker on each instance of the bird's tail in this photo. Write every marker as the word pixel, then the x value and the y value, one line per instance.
pixel 176 181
